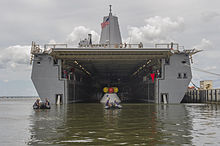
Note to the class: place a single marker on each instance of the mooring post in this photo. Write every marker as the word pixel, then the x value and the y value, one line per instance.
pixel 197 96
pixel 217 95
pixel 193 96
pixel 207 95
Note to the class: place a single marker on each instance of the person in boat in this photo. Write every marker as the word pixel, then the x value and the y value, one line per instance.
pixel 115 102
pixel 47 103
pixel 108 102
pixel 37 104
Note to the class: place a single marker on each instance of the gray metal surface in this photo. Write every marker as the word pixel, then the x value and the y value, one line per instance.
pixel 46 78
pixel 111 33
pixel 170 83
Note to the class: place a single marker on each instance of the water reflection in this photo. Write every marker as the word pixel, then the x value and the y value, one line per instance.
pixel 175 124
pixel 135 124
pixel 205 123
pixel 46 125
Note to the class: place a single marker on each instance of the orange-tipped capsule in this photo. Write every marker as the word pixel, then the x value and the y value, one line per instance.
pixel 105 89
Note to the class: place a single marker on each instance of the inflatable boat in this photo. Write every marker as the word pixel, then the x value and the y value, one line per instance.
pixel 113 107
pixel 42 106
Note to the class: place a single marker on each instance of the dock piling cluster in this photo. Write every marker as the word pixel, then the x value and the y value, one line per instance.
pixel 202 96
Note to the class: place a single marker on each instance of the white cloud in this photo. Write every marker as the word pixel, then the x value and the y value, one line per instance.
pixel 80 33
pixel 14 57
pixel 156 30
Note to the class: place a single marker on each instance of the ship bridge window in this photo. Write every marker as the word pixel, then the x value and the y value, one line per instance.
pixel 184 62
pixel 179 76
pixel 184 75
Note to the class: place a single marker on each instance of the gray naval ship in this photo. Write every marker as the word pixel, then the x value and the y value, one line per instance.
pixel 159 74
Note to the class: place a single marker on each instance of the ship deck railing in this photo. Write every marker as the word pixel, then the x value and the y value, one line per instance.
pixel 36 49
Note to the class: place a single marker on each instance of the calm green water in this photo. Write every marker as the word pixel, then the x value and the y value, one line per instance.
pixel 90 124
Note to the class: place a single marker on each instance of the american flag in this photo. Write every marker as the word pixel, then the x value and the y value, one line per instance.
pixel 105 23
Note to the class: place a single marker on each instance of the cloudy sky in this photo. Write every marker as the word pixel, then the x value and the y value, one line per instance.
pixel 191 23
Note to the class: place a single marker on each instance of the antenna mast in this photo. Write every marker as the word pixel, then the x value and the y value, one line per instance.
pixel 110 9
pixel 110 14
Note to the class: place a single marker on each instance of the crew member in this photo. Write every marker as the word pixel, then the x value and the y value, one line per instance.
pixel 107 102
pixel 115 102
pixel 141 45
pixel 125 45
pixel 47 103
pixel 37 104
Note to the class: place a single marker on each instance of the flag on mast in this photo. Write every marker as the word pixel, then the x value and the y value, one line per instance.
pixel 105 23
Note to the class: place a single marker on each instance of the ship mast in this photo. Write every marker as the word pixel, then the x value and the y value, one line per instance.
pixel 110 10
pixel 110 14
pixel 110 29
